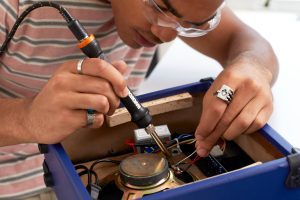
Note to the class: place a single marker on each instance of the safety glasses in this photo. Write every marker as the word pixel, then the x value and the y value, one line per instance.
pixel 163 17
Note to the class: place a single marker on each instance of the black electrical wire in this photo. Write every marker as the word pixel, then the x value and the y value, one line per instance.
pixel 102 161
pixel 12 32
pixel 267 3
pixel 85 171
pixel 90 171
pixel 90 174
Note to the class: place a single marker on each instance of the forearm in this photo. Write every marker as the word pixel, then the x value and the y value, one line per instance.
pixel 248 47
pixel 12 115
pixel 233 43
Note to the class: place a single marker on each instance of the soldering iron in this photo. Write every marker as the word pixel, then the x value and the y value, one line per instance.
pixel 90 47
pixel 139 114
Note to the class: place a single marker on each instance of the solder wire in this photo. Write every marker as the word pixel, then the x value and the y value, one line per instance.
pixel 185 158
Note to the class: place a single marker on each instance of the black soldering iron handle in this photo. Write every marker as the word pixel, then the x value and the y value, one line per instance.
pixel 139 115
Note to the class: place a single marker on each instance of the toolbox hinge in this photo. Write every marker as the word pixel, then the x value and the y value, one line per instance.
pixel 43 148
pixel 293 179
pixel 48 178
pixel 207 79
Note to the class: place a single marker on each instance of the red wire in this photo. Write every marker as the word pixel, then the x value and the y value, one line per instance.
pixel 131 144
pixel 194 160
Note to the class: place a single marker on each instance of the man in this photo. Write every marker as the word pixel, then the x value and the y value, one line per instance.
pixel 46 91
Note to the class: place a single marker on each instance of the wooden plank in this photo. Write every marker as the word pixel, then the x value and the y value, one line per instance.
pixel 157 106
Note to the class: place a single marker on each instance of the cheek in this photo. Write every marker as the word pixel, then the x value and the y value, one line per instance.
pixel 164 34
pixel 129 23
pixel 126 32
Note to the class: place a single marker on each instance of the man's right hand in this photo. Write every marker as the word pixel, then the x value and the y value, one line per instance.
pixel 60 107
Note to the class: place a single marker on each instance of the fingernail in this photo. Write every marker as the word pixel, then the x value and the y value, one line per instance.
pixel 124 93
pixel 202 152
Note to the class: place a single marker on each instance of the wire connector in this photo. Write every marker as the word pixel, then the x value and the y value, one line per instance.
pixel 141 137
pixel 95 191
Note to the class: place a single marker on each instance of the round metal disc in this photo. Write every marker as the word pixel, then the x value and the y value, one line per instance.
pixel 143 170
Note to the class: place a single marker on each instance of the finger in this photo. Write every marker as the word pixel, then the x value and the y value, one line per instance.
pixel 100 68
pixel 96 102
pixel 240 99
pixel 230 119
pixel 243 121
pixel 80 118
pixel 261 119
pixel 204 151
pixel 211 114
pixel 205 134
pixel 83 84
pixel 98 121
pixel 213 110
pixel 94 85
pixel 205 145
pixel 202 148
pixel 120 66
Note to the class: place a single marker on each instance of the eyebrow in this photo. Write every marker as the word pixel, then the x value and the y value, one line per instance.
pixel 203 22
pixel 172 10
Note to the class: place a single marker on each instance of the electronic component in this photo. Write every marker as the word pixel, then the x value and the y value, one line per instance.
pixel 216 151
pixel 232 154
pixel 141 137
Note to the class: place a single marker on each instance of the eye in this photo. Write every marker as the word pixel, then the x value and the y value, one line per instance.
pixel 162 8
pixel 199 24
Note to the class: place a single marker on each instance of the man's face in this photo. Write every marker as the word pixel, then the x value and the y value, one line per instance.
pixel 136 30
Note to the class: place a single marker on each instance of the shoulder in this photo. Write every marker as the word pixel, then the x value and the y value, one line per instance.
pixel 9 8
pixel 9 11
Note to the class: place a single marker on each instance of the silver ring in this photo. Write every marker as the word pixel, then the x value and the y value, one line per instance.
pixel 90 117
pixel 79 66
pixel 225 93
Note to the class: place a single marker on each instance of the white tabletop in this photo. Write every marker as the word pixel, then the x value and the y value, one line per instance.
pixel 283 32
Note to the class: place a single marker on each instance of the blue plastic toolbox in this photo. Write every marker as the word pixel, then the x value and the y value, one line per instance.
pixel 277 177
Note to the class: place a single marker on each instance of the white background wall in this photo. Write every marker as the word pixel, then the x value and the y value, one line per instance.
pixel 285 6
pixel 275 5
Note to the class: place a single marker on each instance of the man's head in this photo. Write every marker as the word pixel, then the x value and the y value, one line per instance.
pixel 150 22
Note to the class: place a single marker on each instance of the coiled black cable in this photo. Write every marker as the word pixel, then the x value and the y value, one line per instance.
pixel 267 3
pixel 12 32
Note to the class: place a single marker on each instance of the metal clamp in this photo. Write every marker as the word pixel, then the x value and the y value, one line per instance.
pixel 48 178
pixel 293 179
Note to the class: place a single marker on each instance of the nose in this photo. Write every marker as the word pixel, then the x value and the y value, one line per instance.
pixel 163 33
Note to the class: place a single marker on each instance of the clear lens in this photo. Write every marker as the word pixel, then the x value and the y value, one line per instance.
pixel 156 16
